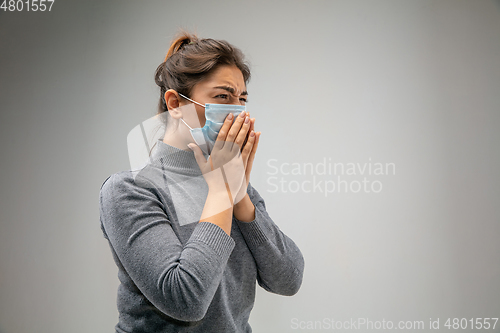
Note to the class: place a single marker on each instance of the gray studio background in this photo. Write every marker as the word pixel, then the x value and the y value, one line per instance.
pixel 412 84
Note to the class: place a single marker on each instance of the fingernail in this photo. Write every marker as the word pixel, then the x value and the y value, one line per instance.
pixel 252 133
pixel 242 114
pixel 230 116
pixel 189 146
pixel 247 120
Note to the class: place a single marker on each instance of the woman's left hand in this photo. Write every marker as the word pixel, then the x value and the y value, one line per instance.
pixel 250 150
pixel 249 146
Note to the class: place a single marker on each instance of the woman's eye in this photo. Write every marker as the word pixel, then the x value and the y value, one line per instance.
pixel 224 96
pixel 244 100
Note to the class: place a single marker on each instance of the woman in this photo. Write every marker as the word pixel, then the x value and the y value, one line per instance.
pixel 188 232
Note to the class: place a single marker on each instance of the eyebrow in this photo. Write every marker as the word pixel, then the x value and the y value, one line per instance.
pixel 230 89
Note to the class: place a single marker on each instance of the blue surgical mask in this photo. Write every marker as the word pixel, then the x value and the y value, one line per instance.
pixel 214 114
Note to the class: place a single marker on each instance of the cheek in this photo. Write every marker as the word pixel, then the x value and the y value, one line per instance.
pixel 193 116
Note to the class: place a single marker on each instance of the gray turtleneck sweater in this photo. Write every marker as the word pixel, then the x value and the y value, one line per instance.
pixel 179 274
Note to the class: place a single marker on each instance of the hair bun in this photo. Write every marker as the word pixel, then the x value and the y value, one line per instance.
pixel 184 38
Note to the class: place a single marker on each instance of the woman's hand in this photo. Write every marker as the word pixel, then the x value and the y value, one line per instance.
pixel 225 169
pixel 248 154
pixel 227 172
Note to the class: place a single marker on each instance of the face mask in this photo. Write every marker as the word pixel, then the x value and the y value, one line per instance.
pixel 214 114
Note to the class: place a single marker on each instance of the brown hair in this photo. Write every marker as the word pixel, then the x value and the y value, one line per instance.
pixel 190 60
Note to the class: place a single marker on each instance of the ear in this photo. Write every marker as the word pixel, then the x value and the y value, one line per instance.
pixel 172 100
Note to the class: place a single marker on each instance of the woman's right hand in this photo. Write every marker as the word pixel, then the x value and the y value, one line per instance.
pixel 224 171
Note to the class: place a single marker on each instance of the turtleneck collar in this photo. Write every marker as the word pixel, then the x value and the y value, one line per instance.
pixel 174 159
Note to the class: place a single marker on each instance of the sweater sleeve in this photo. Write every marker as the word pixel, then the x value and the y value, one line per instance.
pixel 178 279
pixel 279 261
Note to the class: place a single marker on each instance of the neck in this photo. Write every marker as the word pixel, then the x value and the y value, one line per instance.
pixel 178 137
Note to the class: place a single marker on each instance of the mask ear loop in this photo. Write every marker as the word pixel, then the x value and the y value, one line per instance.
pixel 189 99
pixel 186 124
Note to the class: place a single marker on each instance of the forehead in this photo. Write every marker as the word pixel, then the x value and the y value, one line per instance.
pixel 226 75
